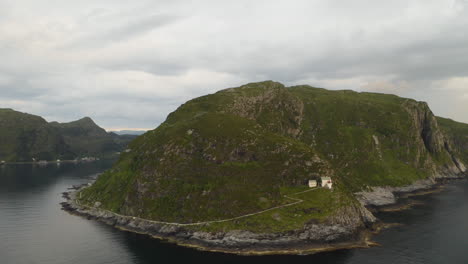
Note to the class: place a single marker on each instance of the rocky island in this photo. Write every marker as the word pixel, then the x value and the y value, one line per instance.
pixel 229 171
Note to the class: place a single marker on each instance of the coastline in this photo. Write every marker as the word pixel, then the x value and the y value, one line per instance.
pixel 45 163
pixel 382 198
pixel 312 239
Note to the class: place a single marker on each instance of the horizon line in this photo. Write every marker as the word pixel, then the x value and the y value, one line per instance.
pixel 126 128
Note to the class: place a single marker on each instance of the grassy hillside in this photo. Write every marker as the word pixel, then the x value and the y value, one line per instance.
pixel 237 151
pixel 85 138
pixel 374 139
pixel 24 136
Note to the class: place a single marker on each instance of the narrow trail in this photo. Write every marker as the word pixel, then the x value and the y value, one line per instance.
pixel 297 201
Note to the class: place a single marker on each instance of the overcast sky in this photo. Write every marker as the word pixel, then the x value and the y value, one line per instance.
pixel 127 64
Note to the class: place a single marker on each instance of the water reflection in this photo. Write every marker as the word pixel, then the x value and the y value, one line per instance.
pixel 148 250
pixel 25 177
pixel 33 229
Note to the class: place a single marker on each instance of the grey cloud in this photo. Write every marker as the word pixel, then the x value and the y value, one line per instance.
pixel 19 87
pixel 129 65
pixel 121 30
pixel 114 112
pixel 150 65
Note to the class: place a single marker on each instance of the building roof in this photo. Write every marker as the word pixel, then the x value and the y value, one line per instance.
pixel 326 179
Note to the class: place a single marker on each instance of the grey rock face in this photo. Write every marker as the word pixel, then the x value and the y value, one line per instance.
pixel 380 196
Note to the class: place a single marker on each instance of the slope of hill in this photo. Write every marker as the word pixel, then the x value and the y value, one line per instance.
pixel 85 138
pixel 24 137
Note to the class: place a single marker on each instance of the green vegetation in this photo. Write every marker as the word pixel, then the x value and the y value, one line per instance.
pixel 238 151
pixel 317 206
pixel 85 138
pixel 373 138
pixel 24 137
pixel 458 133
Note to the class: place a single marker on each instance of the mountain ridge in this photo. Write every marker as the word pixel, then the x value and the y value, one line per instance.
pixel 26 137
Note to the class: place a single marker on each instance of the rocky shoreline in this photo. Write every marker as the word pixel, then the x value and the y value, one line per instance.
pixel 352 228
pixel 379 198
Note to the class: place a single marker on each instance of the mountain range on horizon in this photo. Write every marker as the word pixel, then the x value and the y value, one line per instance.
pixel 25 137
pixel 128 132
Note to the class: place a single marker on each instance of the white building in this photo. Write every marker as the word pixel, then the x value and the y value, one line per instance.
pixel 326 182
pixel 312 183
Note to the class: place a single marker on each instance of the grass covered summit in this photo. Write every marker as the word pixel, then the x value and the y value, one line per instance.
pixel 241 150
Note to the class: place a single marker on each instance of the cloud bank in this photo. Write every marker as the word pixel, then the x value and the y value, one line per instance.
pixel 129 65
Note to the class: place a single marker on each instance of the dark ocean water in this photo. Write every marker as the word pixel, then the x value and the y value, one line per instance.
pixel 33 229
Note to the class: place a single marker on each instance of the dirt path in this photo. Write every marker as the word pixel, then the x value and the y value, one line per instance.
pixel 296 201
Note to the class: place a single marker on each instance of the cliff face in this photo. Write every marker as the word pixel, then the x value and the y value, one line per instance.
pixel 375 139
pixel 443 160
pixel 271 105
pixel 457 140
pixel 247 149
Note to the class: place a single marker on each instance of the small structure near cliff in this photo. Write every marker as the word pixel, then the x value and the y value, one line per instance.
pixel 326 182
pixel 312 183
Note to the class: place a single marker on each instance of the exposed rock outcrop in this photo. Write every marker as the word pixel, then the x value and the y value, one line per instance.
pixel 433 140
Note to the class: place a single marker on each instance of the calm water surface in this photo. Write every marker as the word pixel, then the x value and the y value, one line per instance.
pixel 33 229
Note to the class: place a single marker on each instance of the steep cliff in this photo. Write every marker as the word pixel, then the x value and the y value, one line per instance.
pixel 458 139
pixel 375 139
pixel 243 150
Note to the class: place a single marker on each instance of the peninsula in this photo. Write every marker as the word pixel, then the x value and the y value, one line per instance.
pixel 235 171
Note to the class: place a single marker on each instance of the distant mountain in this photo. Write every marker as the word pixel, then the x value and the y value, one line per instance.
pixel 88 139
pixel 25 136
pixel 129 132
